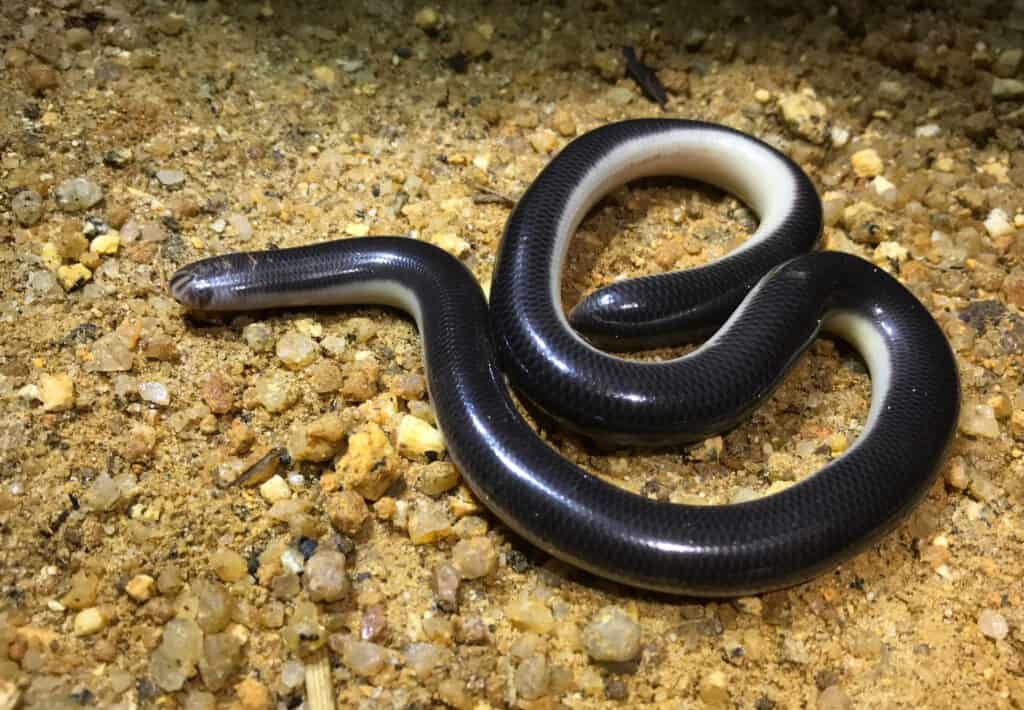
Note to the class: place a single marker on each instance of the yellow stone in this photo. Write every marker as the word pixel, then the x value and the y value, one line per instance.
pixel 106 243
pixel 71 276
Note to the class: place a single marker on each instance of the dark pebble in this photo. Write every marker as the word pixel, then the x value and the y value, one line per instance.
pixel 615 689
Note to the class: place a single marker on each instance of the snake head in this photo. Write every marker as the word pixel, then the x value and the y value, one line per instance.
pixel 192 286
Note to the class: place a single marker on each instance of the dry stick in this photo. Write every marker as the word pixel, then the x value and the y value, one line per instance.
pixel 319 688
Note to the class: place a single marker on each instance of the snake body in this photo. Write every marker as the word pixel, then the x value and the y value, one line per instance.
pixel 765 302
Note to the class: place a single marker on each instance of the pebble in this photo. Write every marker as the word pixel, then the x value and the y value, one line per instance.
pixel 240 223
pixel 175 660
pixel 363 657
pixel 436 478
pixel 347 511
pixel 993 624
pixel 531 614
pixel 928 130
pixel 296 350
pixel 110 354
pixel 82 594
pixel 325 377
pixel 78 194
pixel 427 19
pixel 140 587
pixel 27 206
pixel 475 557
pixel 42 78
pixel 218 392
pixel 714 690
pixel 106 244
pixel 532 677
pixel 369 466
pixel 979 420
pixel 171 179
pixel 228 565
pixel 613 635
pixel 252 694
pixel 90 621
pixel 172 24
pixel 998 224
pixel 892 92
pixel 1007 63
pixel 429 522
pixel 319 440
pixel 424 658
pixel 805 116
pixel 141 442
pixel 445 582
pixel 325 578
pixel 73 275
pixel 214 605
pixel 57 392
pixel 866 163
pixel 275 392
pixel 274 489
pixel 222 657
pixel 619 96
pixel 833 698
pixel 1007 89
pixel 544 141
pixel 417 438
pixel 258 336
pixel 154 392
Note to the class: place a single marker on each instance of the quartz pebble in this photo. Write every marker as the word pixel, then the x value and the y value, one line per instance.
pixel 77 194
pixel 417 438
pixel 805 116
pixel 177 657
pixel 979 420
pixel 170 179
pixel 997 224
pixel 222 657
pixel 475 557
pixel 57 392
pixel 325 577
pixel 274 489
pixel 140 587
pixel 445 583
pixel 993 624
pixel 363 657
pixel 833 698
pixel 258 336
pixel 90 621
pixel 613 635
pixel 27 207
pixel 429 522
pixel 154 392
pixel 1007 89
pixel 275 392
pixel 110 354
pixel 424 658
pixel 436 478
pixel 228 565
pixel 214 605
pixel 866 163
pixel 532 677
pixel 531 614
pixel 296 350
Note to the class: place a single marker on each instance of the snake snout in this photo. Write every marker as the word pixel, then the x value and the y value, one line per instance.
pixel 597 314
pixel 189 290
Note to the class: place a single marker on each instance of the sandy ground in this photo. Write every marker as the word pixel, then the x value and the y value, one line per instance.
pixel 199 128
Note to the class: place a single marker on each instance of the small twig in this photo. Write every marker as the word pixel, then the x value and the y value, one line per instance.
pixel 319 688
pixel 489 197
pixel 264 469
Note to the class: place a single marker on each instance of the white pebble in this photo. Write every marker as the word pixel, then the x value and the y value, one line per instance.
pixel 928 130
pixel 154 392
pixel 993 624
pixel 275 489
pixel 997 224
